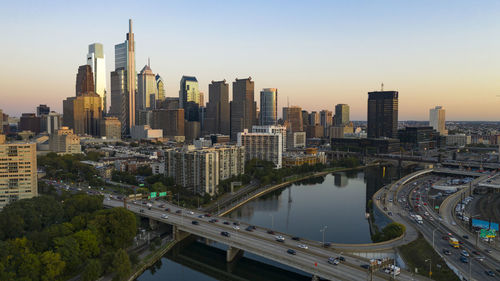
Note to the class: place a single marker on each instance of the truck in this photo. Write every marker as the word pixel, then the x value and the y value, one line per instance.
pixel 418 219
pixel 454 242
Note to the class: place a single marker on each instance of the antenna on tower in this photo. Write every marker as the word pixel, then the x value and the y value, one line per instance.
pixel 287 101
pixel 149 63
pixel 382 87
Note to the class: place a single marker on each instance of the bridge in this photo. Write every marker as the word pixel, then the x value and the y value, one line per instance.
pixel 312 260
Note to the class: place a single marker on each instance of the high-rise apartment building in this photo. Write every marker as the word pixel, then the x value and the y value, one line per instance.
pixel 18 171
pixel 51 122
pixel 123 83
pixel 42 109
pixel 97 62
pixel 341 115
pixel 217 119
pixel 268 106
pixel 263 146
pixel 272 129
pixel 243 106
pixel 147 91
pixel 437 120
pixel 382 114
pixel 293 115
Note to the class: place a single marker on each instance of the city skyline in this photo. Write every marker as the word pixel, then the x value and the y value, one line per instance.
pixel 427 62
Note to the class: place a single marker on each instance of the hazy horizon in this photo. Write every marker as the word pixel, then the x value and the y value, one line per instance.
pixel 317 54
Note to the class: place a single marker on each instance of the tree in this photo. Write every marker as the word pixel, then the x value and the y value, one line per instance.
pixel 88 245
pixel 68 248
pixel 121 265
pixel 52 266
pixel 114 227
pixel 82 203
pixel 92 271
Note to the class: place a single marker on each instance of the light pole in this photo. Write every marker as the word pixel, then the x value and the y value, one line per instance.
pixel 324 230
pixel 430 268
pixel 272 221
pixel 433 237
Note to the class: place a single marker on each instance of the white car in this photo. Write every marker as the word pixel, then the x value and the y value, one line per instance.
pixel 280 238
pixel 302 246
pixel 236 227
pixel 164 216
pixel 191 212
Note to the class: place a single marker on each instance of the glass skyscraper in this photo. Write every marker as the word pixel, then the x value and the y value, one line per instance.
pixel 97 61
pixel 268 106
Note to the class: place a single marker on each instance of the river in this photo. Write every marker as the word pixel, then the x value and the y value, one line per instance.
pixel 337 201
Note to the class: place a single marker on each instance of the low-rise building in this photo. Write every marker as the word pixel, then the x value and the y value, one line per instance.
pixel 458 140
pixel 111 128
pixel 64 141
pixel 366 145
pixel 139 132
pixel 296 140
pixel 310 156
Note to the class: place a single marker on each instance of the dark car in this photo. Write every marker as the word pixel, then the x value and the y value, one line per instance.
pixel 167 209
pixel 296 238
pixel 178 211
pixel 341 258
pixel 446 237
pixel 195 222
pixel 385 208
pixel 365 266
pixel 270 232
pixel 466 236
pixel 490 273
pixel 226 222
pixel 327 244
pixel 225 233
pixel 464 259
pixel 476 253
pixel 291 252
pixel 141 210
pixel 213 220
pixel 446 252
pixel 208 215
pixel 236 223
pixel 249 228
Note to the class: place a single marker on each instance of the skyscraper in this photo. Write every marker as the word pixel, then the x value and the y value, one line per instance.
pixel 218 115
pixel 293 115
pixel 160 87
pixel 189 98
pixel 147 91
pixel 341 115
pixel 84 80
pixel 123 82
pixel 42 109
pixel 83 113
pixel 382 114
pixel 97 62
pixel 268 106
pixel 437 119
pixel 243 106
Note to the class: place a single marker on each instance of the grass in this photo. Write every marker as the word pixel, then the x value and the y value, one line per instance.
pixel 415 255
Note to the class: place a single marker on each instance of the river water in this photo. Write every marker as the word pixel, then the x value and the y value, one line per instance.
pixel 337 201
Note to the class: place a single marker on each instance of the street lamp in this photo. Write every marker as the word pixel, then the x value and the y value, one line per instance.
pixel 433 237
pixel 430 268
pixel 324 230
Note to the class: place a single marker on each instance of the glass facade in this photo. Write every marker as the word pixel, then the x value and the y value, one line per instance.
pixel 268 106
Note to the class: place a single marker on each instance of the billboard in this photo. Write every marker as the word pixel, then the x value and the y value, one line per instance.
pixel 488 233
pixel 484 224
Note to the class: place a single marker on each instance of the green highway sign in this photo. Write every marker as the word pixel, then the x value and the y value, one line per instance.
pixel 153 195
pixel 163 194
pixel 141 185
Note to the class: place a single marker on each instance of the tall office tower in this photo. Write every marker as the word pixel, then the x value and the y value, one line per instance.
pixel 123 83
pixel 1 121
pixel 325 120
pixel 19 172
pixel 268 106
pixel 293 115
pixel 217 119
pixel 314 118
pixel 341 115
pixel 147 91
pixel 84 80
pixel 160 87
pixel 42 109
pixel 437 119
pixel 202 99
pixel 305 118
pixel 83 113
pixel 97 62
pixel 29 122
pixel 243 107
pixel 189 98
pixel 51 122
pixel 382 114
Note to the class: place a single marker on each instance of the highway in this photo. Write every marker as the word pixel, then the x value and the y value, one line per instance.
pixel 432 226
pixel 312 260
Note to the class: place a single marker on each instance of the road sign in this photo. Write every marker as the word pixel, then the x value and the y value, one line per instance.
pixel 488 233
pixel 163 194
pixel 153 195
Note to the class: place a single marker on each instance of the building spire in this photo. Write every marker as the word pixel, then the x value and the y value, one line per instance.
pixel 130 26
pixel 149 63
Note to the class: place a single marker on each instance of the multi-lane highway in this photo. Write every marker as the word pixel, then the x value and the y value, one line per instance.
pixel 313 258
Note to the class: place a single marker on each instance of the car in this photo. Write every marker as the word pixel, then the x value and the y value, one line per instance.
pixel 191 212
pixel 280 238
pixel 161 205
pixel 167 209
pixel 208 215
pixel 296 238
pixel 302 246
pixel 464 259
pixel 164 216
pixel 226 223
pixel 465 236
pixel 141 210
pixel 341 258
pixel 249 228
pixel 365 266
pixel 446 237
pixel 446 252
pixel 236 227
pixel 225 233
pixel 178 211
pixel 236 223
pixel 490 273
pixel 213 220
pixel 327 244
pixel 475 253
pixel 333 261
pixel 291 252
pixel 464 253
pixel 487 251
pixel 385 208
pixel 389 213
pixel 195 222
pixel 270 232
pixel 201 216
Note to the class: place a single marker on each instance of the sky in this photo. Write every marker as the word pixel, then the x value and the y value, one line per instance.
pixel 317 53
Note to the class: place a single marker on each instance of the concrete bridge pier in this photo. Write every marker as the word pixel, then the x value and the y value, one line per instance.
pixel 153 224
pixel 178 235
pixel 232 253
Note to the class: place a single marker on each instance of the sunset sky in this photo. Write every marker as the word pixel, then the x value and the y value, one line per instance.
pixel 317 53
